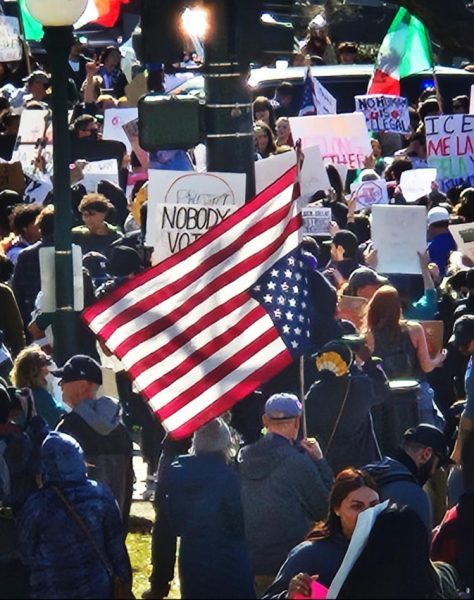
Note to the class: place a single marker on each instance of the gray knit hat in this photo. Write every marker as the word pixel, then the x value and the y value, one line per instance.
pixel 213 437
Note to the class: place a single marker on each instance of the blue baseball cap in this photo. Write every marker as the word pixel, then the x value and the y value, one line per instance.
pixel 283 406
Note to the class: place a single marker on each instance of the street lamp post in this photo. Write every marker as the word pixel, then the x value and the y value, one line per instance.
pixel 57 17
pixel 229 131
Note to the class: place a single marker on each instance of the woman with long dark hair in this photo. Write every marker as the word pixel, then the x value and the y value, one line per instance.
pixel 323 551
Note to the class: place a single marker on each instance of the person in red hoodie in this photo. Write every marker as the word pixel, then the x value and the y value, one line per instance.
pixel 453 540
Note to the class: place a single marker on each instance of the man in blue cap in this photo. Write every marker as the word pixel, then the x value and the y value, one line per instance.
pixel 283 482
pixel 95 422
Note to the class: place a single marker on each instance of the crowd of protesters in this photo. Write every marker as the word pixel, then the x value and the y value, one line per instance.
pixel 375 500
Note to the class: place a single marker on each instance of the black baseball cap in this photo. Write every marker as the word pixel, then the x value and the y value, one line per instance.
pixel 80 368
pixel 364 276
pixel 430 437
pixel 347 240
pixel 463 331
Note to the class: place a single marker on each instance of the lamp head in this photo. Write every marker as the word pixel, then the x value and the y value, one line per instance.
pixel 56 13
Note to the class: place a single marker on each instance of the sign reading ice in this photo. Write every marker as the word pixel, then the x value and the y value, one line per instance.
pixel 450 147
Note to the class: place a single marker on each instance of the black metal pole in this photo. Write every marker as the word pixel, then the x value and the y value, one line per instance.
pixel 58 42
pixel 229 136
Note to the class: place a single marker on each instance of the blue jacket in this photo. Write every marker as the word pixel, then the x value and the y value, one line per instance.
pixel 63 562
pixel 321 557
pixel 203 494
pixel 283 491
pixel 397 482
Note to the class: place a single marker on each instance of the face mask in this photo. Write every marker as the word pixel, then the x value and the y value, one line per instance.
pixel 425 471
pixel 93 135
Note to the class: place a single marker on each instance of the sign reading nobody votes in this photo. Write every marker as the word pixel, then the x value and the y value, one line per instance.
pixel 184 205
pixel 342 139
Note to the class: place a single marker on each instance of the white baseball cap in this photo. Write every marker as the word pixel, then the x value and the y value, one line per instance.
pixel 437 215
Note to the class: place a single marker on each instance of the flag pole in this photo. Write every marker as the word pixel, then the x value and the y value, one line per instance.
pixel 299 165
pixel 24 41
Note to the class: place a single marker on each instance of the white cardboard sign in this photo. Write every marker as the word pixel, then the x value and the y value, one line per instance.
pixel 417 183
pixel 268 170
pixel 97 170
pixel 10 46
pixel 384 113
pixel 342 139
pixel 464 237
pixel 398 234
pixel 369 193
pixel 184 205
pixel 316 220
pixel 450 147
pixel 313 176
pixel 114 120
pixel 326 104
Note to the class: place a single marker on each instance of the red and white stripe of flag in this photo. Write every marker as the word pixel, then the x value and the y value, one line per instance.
pixel 188 332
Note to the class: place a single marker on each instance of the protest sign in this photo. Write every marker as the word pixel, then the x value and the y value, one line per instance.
pixel 398 234
pixel 352 309
pixel 384 113
pixel 131 131
pixel 98 170
pixel 464 237
pixel 368 193
pixel 11 177
pixel 450 148
pixel 270 169
pixel 313 176
pixel 38 189
pixel 33 126
pixel 326 104
pixel 184 205
pixel 136 89
pixel 342 139
pixel 417 183
pixel 10 45
pixel 434 333
pixel 114 120
pixel 316 220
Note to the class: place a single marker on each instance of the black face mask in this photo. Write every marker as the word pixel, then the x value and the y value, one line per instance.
pixel 425 471
pixel 93 135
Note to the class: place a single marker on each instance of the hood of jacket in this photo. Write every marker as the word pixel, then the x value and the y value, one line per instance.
pixel 257 461
pixel 102 414
pixel 388 471
pixel 62 459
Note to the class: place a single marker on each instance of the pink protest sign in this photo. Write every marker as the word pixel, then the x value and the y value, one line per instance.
pixel 318 592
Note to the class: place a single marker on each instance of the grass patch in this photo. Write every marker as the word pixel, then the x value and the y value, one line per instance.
pixel 139 549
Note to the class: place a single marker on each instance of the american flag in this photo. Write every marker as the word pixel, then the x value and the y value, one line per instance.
pixel 308 100
pixel 207 326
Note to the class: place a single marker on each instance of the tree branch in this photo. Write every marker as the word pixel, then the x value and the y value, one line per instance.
pixel 450 22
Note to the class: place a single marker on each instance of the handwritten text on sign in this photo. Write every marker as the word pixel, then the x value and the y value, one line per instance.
pixel 316 220
pixel 342 139
pixel 384 113
pixel 450 146
pixel 183 206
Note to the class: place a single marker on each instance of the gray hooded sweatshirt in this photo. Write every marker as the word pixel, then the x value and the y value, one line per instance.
pixel 97 426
